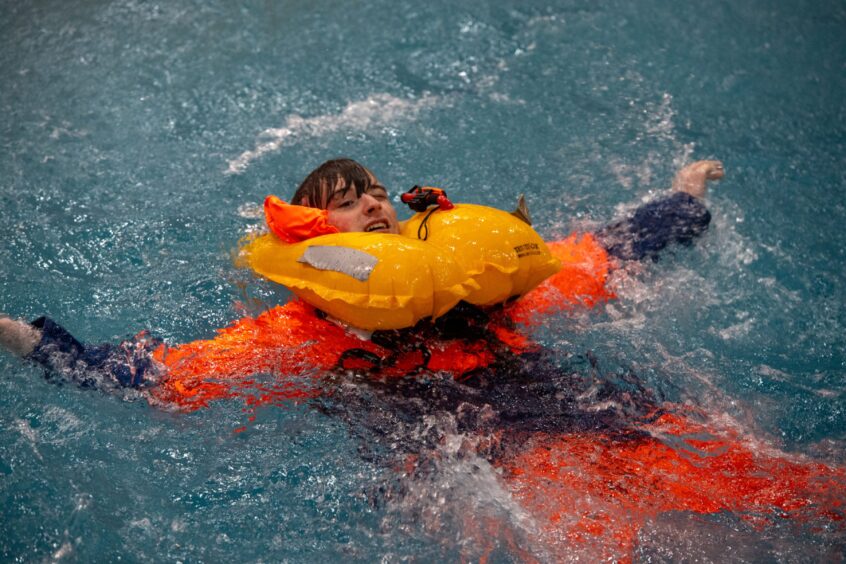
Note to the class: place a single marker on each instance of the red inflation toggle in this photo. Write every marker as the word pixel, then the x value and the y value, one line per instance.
pixel 420 198
pixel 444 203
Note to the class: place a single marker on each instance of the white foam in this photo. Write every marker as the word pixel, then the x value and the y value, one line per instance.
pixel 251 210
pixel 65 550
pixel 378 110
pixel 736 331
pixel 659 125
pixel 30 434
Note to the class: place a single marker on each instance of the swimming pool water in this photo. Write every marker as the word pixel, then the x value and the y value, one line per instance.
pixel 140 138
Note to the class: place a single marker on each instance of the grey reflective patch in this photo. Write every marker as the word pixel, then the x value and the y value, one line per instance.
pixel 351 262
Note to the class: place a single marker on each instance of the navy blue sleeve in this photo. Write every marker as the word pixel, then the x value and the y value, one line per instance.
pixel 127 364
pixel 677 218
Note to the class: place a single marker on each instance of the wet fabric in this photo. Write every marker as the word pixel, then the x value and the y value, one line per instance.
pixel 593 456
pixel 127 364
pixel 678 218
pixel 300 347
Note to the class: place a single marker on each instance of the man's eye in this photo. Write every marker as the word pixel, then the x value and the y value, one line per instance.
pixel 346 203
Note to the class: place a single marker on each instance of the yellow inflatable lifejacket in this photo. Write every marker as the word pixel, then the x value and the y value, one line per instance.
pixel 502 253
pixel 381 281
pixel 369 280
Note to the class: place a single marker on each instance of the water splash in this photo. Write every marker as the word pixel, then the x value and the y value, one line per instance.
pixel 378 110
pixel 658 126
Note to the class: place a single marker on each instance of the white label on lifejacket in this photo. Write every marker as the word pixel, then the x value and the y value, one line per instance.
pixel 351 262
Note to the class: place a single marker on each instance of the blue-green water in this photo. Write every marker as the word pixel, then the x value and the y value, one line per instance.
pixel 138 140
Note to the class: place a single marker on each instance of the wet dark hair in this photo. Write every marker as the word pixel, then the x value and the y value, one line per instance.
pixel 318 187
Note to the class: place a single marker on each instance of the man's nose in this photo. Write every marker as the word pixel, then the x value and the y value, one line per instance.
pixel 371 204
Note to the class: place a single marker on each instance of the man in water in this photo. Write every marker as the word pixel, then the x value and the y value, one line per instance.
pixel 356 201
pixel 590 458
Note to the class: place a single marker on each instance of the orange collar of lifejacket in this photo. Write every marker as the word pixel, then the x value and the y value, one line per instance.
pixel 293 223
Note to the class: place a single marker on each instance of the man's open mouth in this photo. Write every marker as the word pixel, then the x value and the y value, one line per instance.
pixel 376 226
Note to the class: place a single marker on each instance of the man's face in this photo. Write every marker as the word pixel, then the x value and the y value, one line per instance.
pixel 370 212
